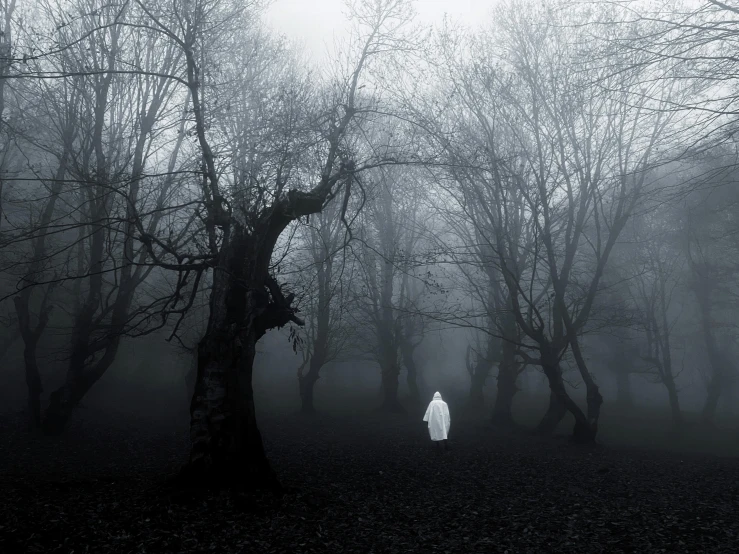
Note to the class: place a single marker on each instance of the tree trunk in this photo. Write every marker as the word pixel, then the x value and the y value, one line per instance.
pixel 594 398
pixel 190 379
pixel 245 302
pixel 31 338
pixel 624 397
pixel 716 356
pixel 226 445
pixel 594 402
pixel 306 383
pixel 559 404
pixel 227 448
pixel 33 383
pixel 414 393
pixel 64 400
pixel 708 414
pixel 555 413
pixel 390 402
pixel 507 377
pixel 507 389
pixel 477 383
pixel 82 375
pixel 677 416
pixel 479 370
pixel 412 378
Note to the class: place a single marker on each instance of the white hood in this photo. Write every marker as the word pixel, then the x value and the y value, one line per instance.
pixel 437 414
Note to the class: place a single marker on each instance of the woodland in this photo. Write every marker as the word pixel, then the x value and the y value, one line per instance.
pixel 550 197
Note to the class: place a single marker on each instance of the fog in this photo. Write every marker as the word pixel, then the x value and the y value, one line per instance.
pixel 447 240
pixel 243 244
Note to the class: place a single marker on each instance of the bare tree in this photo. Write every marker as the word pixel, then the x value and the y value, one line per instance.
pixel 7 36
pixel 272 147
pixel 653 286
pixel 243 223
pixel 101 128
pixel 414 327
pixel 708 228
pixel 388 237
pixel 693 43
pixel 615 320
pixel 327 333
pixel 562 153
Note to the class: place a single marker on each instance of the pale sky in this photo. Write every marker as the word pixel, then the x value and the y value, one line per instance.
pixel 317 23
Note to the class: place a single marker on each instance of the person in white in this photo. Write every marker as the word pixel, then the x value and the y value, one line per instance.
pixel 437 414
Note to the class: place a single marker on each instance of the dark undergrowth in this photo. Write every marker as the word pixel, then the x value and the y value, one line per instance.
pixel 362 484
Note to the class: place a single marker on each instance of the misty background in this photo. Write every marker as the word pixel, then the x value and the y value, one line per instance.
pixel 535 205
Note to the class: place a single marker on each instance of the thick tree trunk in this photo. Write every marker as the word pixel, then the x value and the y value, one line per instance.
pixel 227 448
pixel 624 397
pixel 226 445
pixel 245 302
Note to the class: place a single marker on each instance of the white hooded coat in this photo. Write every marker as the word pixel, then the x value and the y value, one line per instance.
pixel 437 414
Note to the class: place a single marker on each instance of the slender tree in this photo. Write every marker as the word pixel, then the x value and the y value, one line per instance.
pixel 388 237
pixel 327 330
pixel 653 290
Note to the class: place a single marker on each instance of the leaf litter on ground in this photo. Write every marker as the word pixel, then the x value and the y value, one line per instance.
pixel 371 484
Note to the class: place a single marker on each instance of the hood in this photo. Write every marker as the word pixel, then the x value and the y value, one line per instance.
pixel 437 396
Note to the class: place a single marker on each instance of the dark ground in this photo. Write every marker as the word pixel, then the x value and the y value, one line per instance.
pixel 366 484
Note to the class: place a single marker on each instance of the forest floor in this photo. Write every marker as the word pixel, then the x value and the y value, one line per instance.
pixel 364 484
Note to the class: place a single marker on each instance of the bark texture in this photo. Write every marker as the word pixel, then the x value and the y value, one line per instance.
pixel 227 447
